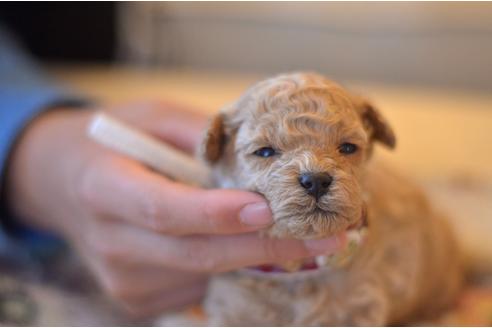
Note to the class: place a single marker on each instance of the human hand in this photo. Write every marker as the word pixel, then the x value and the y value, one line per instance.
pixel 149 241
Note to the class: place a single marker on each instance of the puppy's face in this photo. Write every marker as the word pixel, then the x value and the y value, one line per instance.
pixel 301 141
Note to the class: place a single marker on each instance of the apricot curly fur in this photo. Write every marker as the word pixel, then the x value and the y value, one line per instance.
pixel 410 264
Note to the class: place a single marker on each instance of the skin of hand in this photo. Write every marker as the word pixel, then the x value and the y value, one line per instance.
pixel 149 241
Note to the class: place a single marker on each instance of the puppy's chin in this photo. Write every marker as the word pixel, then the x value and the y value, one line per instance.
pixel 315 221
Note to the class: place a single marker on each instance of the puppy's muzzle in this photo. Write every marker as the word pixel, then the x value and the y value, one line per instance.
pixel 316 184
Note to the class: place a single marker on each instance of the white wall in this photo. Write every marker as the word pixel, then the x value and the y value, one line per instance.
pixel 426 43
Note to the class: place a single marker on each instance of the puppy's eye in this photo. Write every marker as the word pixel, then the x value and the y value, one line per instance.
pixel 347 148
pixel 265 152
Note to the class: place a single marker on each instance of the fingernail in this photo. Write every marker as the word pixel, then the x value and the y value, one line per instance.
pixel 322 246
pixel 256 214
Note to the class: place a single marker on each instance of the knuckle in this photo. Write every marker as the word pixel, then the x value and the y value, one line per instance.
pixel 201 258
pixel 132 307
pixel 210 215
pixel 118 290
pixel 210 264
pixel 149 212
pixel 104 249
pixel 86 189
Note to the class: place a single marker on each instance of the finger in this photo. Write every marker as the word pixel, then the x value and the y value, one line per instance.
pixel 206 253
pixel 123 189
pixel 225 253
pixel 143 283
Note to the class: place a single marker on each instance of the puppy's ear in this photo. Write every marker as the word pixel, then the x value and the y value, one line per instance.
pixel 214 140
pixel 376 124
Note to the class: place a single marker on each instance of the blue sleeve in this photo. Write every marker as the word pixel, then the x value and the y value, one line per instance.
pixel 25 92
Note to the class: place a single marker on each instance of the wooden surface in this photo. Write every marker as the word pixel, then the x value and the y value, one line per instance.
pixel 441 133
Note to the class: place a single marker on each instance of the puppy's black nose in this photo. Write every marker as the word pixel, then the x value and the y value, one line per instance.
pixel 316 184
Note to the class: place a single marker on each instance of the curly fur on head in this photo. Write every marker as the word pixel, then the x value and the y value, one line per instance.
pixel 305 118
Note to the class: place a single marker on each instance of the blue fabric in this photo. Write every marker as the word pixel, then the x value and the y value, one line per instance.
pixel 25 92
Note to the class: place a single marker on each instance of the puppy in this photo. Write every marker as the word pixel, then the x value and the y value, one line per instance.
pixel 305 144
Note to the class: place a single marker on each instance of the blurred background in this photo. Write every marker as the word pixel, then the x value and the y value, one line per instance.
pixel 444 44
pixel 426 65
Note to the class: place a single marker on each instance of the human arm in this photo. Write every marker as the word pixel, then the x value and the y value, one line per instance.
pixel 149 241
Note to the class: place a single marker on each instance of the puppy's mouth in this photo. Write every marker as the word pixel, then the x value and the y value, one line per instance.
pixel 319 210
pixel 356 235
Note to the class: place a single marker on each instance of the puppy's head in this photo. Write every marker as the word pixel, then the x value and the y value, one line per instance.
pixel 301 141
